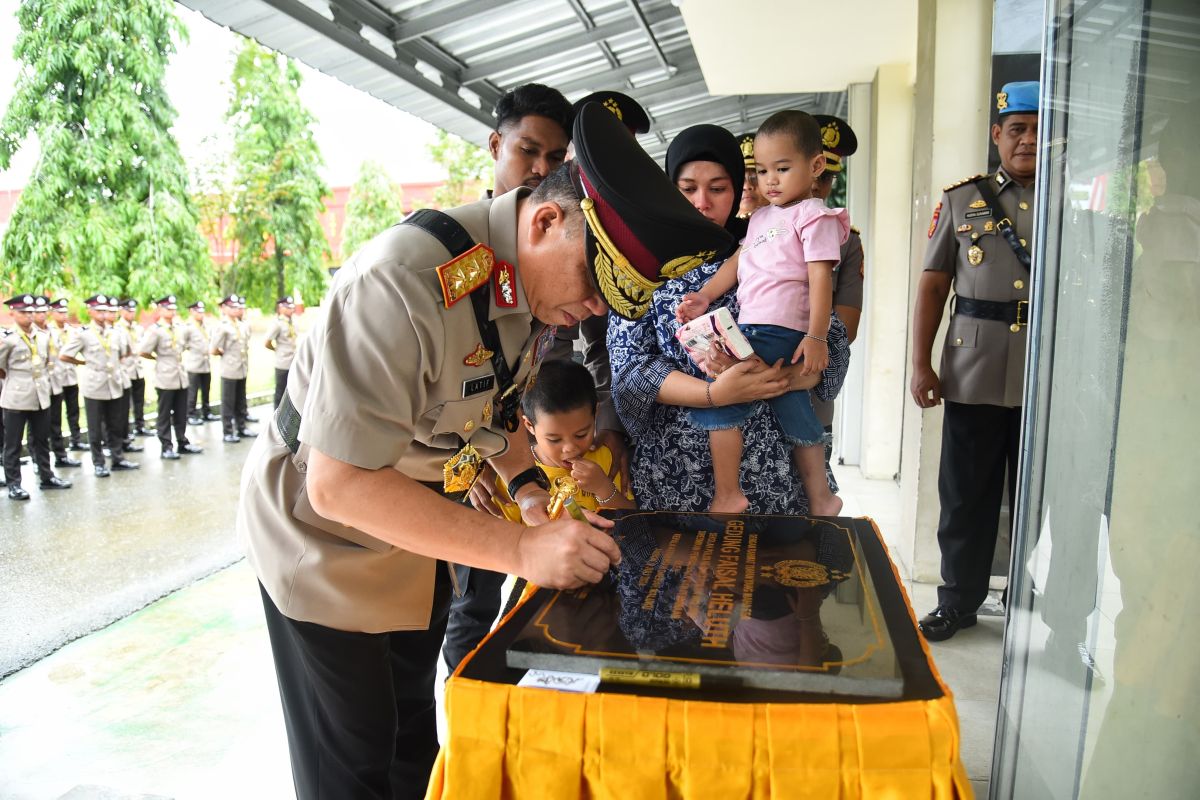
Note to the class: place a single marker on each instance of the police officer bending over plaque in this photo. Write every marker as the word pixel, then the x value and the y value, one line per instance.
pixel 978 241
pixel 412 377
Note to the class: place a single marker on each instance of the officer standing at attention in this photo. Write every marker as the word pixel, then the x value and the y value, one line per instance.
pixel 978 243
pixel 162 343
pixel 58 373
pixel 231 341
pixel 840 142
pixel 281 339
pixel 99 349
pixel 197 361
pixel 410 379
pixel 128 324
pixel 61 332
pixel 25 399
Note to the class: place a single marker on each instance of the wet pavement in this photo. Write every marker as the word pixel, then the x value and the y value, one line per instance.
pixel 74 561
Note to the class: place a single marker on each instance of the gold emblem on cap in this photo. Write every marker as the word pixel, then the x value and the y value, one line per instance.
pixel 1001 101
pixel 612 105
pixel 462 275
pixel 975 255
pixel 830 135
pixel 626 290
pixel 978 204
pixel 479 356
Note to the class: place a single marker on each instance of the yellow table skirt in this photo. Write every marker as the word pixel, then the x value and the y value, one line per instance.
pixel 536 744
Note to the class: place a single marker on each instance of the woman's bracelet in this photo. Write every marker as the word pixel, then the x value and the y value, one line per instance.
pixel 611 495
pixel 708 394
pixel 818 338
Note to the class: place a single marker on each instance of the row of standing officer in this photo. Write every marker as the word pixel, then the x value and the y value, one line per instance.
pixel 40 356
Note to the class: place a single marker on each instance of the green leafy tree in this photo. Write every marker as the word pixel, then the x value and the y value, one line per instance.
pixel 107 207
pixel 212 196
pixel 466 166
pixel 277 193
pixel 375 204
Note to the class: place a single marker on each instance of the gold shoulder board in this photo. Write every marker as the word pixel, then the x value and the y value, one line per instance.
pixel 462 275
pixel 963 182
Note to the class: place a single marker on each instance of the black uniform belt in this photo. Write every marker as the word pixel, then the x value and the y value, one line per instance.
pixel 1013 312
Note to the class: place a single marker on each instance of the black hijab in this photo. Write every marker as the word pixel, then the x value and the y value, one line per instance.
pixel 711 143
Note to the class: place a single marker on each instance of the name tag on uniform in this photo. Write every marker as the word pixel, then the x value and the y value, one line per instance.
pixel 473 386
pixel 983 212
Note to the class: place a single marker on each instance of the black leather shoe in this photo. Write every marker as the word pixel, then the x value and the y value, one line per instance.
pixel 170 455
pixel 121 464
pixel 131 447
pixel 943 622
pixel 250 418
pixel 210 417
pixel 191 449
pixel 54 482
pixel 195 422
pixel 248 433
pixel 101 471
pixel 77 446
pixel 67 461
pixel 141 431
pixel 15 492
pixel 232 438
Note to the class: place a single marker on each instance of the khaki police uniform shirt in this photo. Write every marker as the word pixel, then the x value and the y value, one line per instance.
pixel 103 376
pixel 196 351
pixel 847 291
pixel 25 359
pixel 63 373
pixel 164 341
pixel 132 362
pixel 983 362
pixel 283 334
pixel 232 338
pixel 381 382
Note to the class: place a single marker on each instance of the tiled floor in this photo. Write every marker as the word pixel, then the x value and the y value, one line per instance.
pixel 179 699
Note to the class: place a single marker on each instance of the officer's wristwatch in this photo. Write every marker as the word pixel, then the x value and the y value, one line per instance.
pixel 533 474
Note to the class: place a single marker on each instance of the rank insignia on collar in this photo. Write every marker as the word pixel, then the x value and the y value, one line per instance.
pixel 462 275
pixel 479 356
pixel 505 284
pixel 978 204
pixel 459 473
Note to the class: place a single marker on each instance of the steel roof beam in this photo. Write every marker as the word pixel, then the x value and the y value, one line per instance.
pixel 684 62
pixel 423 24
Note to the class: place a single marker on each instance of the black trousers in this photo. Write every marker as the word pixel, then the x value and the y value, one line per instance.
pixel 172 413
pixel 359 707
pixel 58 444
pixel 979 444
pixel 70 401
pixel 39 442
pixel 137 396
pixel 472 613
pixel 280 386
pixel 199 384
pixel 123 424
pixel 106 421
pixel 233 405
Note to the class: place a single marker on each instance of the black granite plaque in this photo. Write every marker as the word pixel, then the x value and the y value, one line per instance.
pixel 787 604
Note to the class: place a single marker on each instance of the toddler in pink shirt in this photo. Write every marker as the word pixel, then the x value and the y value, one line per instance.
pixel 784 275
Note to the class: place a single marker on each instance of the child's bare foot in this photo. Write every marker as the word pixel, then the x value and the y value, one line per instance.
pixel 729 504
pixel 825 507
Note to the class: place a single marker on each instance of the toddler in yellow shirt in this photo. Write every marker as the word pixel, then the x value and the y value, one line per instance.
pixel 559 411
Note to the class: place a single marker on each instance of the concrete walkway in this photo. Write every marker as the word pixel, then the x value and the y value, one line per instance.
pixel 179 699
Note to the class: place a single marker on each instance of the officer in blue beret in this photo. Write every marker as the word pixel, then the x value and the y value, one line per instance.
pixel 979 242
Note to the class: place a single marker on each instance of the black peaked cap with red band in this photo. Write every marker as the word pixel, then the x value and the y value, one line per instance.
pixel 641 231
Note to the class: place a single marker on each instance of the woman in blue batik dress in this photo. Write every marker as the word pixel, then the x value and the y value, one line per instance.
pixel 655 383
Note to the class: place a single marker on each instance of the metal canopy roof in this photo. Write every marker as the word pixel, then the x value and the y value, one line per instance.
pixel 449 61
